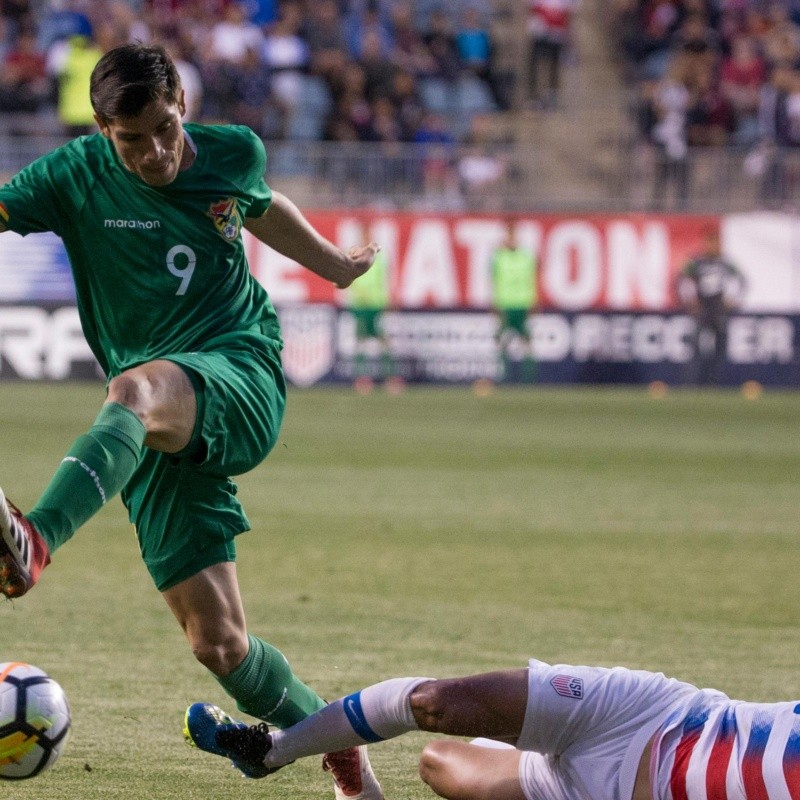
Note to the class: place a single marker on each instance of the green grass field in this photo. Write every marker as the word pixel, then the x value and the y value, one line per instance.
pixel 434 533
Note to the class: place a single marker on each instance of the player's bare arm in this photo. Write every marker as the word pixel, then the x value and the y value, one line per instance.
pixel 284 228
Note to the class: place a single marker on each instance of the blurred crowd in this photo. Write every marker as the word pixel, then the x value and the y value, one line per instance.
pixel 341 70
pixel 714 72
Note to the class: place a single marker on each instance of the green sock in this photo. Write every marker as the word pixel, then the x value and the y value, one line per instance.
pixel 387 365
pixel 360 366
pixel 97 466
pixel 264 686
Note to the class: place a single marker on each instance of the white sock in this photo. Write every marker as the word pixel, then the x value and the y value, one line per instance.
pixel 379 712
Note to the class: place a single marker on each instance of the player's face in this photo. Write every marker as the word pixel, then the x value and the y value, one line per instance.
pixel 151 145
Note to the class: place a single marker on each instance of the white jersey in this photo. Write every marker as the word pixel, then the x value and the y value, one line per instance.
pixel 715 748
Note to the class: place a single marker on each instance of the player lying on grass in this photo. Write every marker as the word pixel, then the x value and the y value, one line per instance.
pixel 578 733
pixel 151 214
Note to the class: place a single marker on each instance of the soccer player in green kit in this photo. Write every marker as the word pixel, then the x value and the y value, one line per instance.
pixel 368 300
pixel 513 272
pixel 151 214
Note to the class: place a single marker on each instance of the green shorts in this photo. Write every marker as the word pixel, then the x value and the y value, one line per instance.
pixel 514 319
pixel 368 322
pixel 184 506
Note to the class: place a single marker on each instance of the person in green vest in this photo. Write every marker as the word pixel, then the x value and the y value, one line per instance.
pixel 75 110
pixel 368 298
pixel 513 272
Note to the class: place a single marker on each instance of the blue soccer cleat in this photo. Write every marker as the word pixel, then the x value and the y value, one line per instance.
pixel 209 728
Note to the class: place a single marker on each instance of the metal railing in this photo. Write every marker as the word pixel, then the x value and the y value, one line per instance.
pixel 708 179
pixel 628 177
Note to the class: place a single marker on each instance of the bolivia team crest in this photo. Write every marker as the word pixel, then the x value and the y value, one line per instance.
pixel 226 217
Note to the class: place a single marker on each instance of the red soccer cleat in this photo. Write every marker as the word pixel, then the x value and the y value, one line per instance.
pixel 23 552
pixel 353 778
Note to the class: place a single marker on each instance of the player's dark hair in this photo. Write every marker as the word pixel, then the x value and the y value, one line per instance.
pixel 127 78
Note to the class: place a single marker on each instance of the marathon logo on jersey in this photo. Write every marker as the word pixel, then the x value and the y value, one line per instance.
pixel 227 219
pixel 308 336
pixel 133 224
pixel 568 686
pixel 4 215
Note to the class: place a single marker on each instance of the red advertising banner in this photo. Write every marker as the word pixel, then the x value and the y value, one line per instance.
pixel 585 262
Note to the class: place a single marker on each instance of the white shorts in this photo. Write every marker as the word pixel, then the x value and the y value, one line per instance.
pixel 586 728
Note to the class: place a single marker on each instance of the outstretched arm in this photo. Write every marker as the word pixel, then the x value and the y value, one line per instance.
pixel 284 228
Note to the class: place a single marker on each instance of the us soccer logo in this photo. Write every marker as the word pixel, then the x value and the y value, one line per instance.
pixel 568 686
pixel 308 337
pixel 226 217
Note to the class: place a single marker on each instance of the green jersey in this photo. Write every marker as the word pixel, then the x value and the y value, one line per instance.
pixel 513 279
pixel 157 270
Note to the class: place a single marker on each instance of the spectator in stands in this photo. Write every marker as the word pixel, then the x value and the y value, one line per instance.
pixel 476 51
pixel 777 134
pixel 793 107
pixel 482 167
pixel 24 85
pixel 218 80
pixel 439 175
pixel 263 12
pixel 441 43
pixel 5 37
pixel 61 21
pixel 123 16
pixel 351 102
pixel 755 22
pixel 709 10
pixel 549 29
pixel 225 45
pixel 253 96
pixel 410 53
pixel 709 119
pixel 474 43
pixel 669 135
pixel 731 25
pixel 408 106
pixel 378 69
pixel 697 45
pixel 385 125
pixel 18 13
pixel 286 56
pixel 326 41
pixel 367 20
pixel 782 38
pixel 743 74
pixel 234 37
pixel 648 43
pixel 191 80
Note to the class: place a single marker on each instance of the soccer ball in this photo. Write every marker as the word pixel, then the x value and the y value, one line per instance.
pixel 34 721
